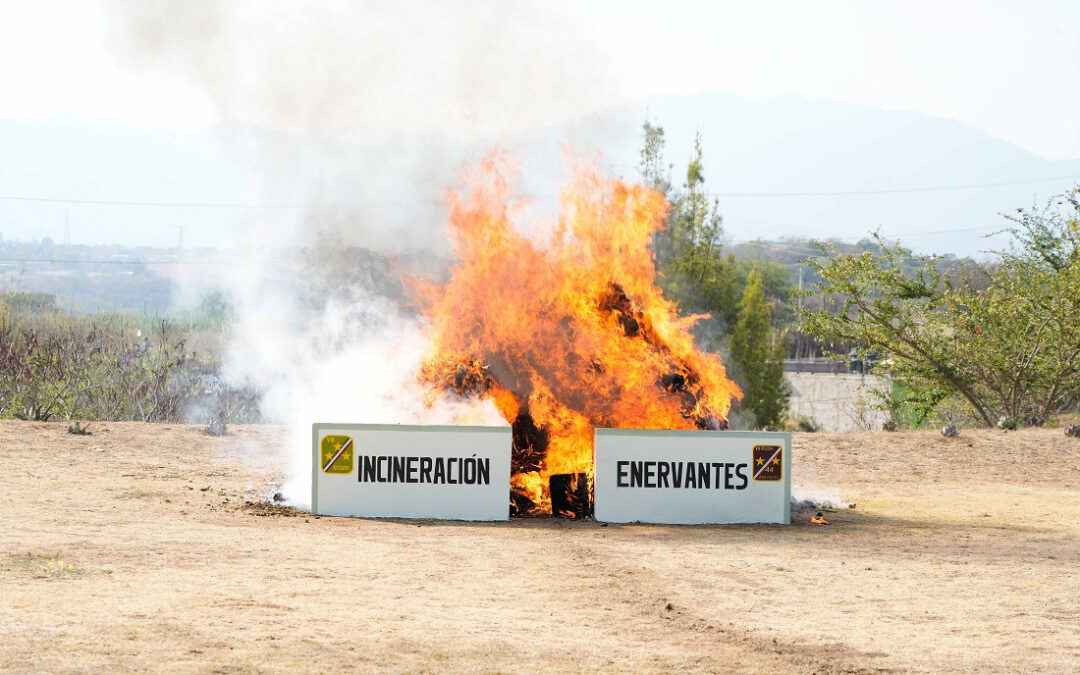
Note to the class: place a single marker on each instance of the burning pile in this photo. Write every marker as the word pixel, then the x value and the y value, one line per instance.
pixel 566 333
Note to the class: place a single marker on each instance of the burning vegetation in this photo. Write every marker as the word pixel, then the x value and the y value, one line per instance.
pixel 565 332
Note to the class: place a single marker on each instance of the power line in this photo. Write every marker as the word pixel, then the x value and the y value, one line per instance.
pixel 117 262
pixel 242 205
pixel 211 205
pixel 961 229
pixel 109 202
pixel 884 234
pixel 892 191
pixel 789 245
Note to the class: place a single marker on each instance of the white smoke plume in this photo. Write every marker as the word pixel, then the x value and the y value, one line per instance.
pixel 328 93
pixel 817 497
pixel 353 359
pixel 372 70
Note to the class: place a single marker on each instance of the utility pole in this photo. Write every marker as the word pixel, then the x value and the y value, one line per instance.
pixel 799 343
pixel 67 227
pixel 180 236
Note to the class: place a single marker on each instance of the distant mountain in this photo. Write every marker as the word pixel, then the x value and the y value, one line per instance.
pixel 104 160
pixel 793 144
pixel 387 192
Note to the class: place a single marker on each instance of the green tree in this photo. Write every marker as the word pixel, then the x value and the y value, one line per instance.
pixel 653 171
pixel 758 353
pixel 696 272
pixel 776 282
pixel 1009 349
pixel 655 174
pixel 1048 237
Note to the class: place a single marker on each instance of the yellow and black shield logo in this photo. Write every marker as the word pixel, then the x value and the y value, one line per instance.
pixel 336 454
pixel 768 462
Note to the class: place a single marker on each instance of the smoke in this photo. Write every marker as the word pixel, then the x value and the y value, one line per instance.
pixel 805 496
pixel 352 359
pixel 371 69
pixel 351 120
pixel 364 110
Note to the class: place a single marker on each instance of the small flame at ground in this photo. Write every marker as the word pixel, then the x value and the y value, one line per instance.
pixel 565 333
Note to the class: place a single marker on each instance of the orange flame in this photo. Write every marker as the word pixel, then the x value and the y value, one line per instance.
pixel 567 332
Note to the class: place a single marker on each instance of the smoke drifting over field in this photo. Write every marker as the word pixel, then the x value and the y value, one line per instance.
pixel 352 359
pixel 319 328
pixel 369 70
pixel 325 333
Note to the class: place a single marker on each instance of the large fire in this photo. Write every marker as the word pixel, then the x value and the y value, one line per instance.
pixel 567 331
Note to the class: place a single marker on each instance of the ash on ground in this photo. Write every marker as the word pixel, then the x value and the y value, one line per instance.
pixel 808 505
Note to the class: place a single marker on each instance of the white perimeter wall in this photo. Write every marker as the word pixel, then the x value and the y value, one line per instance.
pixel 838 402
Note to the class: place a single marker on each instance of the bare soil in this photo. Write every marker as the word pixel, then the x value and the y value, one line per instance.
pixel 145 547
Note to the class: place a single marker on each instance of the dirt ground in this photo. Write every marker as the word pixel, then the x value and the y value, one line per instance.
pixel 143 547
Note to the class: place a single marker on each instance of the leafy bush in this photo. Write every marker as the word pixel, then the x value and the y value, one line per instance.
pixel 109 367
pixel 1008 345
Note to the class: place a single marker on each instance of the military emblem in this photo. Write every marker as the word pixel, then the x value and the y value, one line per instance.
pixel 768 462
pixel 336 454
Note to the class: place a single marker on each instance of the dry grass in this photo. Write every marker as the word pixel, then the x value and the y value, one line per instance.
pixel 42 565
pixel 960 556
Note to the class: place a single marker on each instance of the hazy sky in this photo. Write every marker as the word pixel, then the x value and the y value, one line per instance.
pixel 480 69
